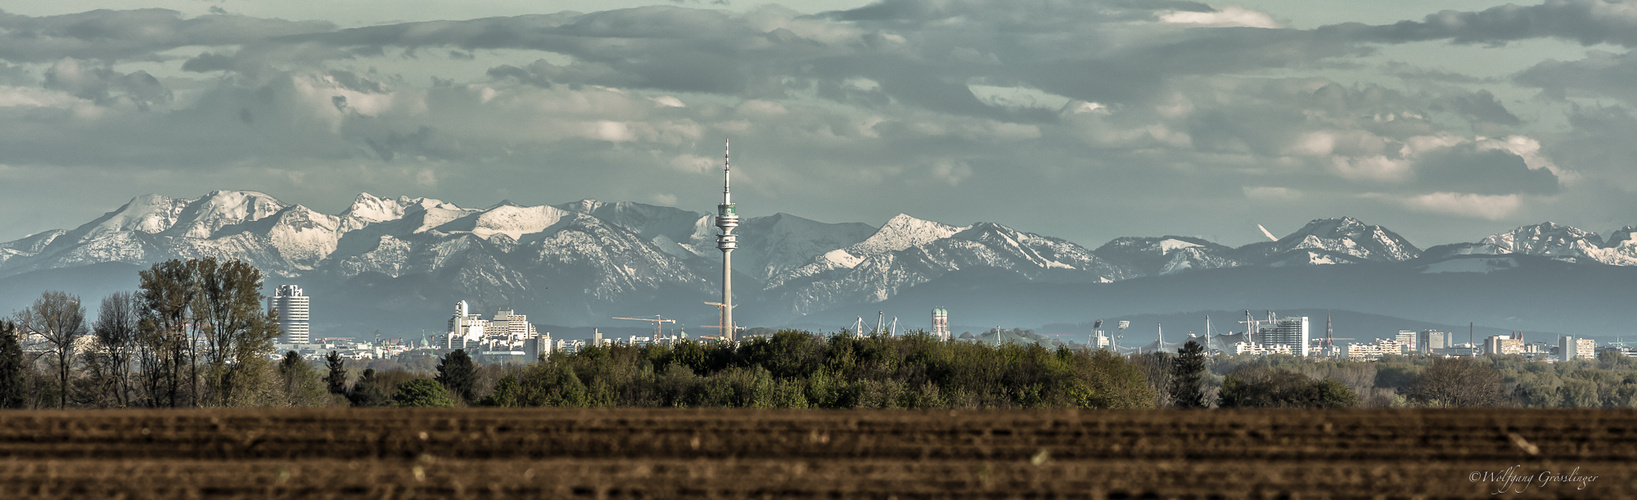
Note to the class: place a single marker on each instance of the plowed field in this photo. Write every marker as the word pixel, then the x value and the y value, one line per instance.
pixel 641 453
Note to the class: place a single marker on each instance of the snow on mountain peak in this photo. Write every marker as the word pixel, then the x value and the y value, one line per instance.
pixel 584 206
pixel 219 209
pixel 1349 236
pixel 516 221
pixel 901 232
pixel 369 208
pixel 150 213
pixel 1547 238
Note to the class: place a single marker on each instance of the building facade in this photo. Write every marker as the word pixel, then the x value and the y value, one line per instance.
pixel 464 327
pixel 1291 333
pixel 1570 348
pixel 1430 341
pixel 292 308
pixel 1373 350
pixel 1407 340
pixel 1501 345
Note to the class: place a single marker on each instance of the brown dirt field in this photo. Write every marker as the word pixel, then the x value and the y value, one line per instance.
pixel 668 453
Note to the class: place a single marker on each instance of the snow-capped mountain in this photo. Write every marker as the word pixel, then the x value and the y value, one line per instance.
pixel 1154 256
pixel 583 261
pixel 1334 241
pixel 1554 241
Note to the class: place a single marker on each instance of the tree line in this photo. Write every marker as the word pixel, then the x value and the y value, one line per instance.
pixel 196 333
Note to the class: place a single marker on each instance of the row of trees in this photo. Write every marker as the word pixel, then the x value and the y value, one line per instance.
pixel 794 369
pixel 194 334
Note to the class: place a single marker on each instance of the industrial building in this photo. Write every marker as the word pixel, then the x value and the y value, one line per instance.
pixel 292 308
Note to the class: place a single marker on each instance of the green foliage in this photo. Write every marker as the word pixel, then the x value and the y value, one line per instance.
pixel 369 390
pixel 1188 376
pixel 457 372
pixel 336 380
pixel 13 368
pixel 299 383
pixel 793 369
pixel 422 392
pixel 1257 386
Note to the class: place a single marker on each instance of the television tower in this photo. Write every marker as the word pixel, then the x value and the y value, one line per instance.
pixel 727 218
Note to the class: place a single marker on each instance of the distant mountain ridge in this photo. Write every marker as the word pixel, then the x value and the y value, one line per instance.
pixel 583 261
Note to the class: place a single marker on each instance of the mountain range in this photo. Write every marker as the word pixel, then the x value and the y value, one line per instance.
pixel 400 264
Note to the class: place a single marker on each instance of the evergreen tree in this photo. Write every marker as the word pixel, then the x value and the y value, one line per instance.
pixel 13 384
pixel 456 372
pixel 337 379
pixel 1188 376
pixel 423 392
pixel 367 391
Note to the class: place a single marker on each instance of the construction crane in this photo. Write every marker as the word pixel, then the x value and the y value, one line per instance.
pixel 722 331
pixel 658 321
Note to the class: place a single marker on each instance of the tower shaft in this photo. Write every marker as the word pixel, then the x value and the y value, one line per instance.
pixel 727 218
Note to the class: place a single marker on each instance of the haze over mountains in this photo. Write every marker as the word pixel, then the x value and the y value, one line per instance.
pixel 398 265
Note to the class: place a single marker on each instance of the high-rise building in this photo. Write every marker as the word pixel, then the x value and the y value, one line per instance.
pixel 1571 348
pixel 1291 332
pixel 539 348
pixel 1431 341
pixel 940 323
pixel 464 327
pixel 512 325
pixel 1407 339
pixel 727 218
pixel 292 310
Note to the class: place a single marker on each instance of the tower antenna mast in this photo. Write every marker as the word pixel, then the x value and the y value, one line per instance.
pixel 727 218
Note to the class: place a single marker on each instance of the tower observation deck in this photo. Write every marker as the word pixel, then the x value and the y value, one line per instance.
pixel 727 218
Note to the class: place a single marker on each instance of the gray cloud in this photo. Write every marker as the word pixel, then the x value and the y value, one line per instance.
pixel 1081 119
pixel 133 34
pixel 1466 169
pixel 1599 74
pixel 1588 22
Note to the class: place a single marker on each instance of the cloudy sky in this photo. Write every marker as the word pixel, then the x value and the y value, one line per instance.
pixel 1446 120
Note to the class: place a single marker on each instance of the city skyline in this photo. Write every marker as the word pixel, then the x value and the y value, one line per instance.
pixel 1087 121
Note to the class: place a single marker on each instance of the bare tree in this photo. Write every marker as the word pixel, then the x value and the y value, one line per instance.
pixel 167 295
pixel 236 328
pixel 116 331
pixel 59 319
pixel 1459 383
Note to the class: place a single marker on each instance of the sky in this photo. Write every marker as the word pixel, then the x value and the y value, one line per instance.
pixel 1443 120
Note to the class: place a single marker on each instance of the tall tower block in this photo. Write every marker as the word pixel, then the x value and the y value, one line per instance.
pixel 291 305
pixel 727 218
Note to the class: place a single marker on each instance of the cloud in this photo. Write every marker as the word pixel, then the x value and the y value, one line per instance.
pixel 1491 207
pixel 1600 74
pixel 1468 169
pixel 958 106
pixel 111 35
pixel 1588 22
pixel 1226 17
